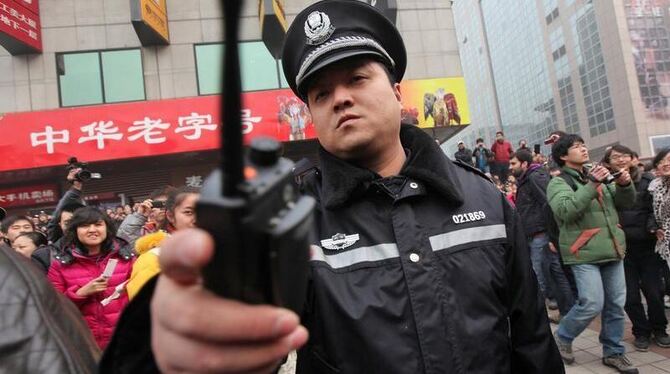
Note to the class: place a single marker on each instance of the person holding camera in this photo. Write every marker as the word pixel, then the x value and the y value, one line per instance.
pixel 642 265
pixel 592 243
pixel 148 218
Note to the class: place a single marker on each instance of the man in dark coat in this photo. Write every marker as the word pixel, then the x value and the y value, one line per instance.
pixel 418 264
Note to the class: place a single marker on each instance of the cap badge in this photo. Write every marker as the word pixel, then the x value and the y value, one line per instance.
pixel 318 28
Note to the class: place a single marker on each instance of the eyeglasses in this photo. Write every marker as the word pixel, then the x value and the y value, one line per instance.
pixel 664 163
pixel 619 157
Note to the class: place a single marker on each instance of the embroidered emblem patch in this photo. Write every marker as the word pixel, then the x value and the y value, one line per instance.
pixel 340 241
pixel 318 28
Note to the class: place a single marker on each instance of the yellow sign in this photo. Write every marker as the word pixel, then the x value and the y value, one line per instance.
pixel 435 102
pixel 154 15
pixel 277 9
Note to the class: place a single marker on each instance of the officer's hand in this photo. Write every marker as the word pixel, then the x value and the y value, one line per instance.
pixel 599 173
pixel 195 331
pixel 624 179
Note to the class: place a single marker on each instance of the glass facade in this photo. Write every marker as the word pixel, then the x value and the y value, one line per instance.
pixel 100 77
pixel 564 81
pixel 522 81
pixel 649 26
pixel 592 72
pixel 481 100
pixel 260 71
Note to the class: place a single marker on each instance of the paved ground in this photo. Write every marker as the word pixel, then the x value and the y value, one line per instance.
pixel 588 354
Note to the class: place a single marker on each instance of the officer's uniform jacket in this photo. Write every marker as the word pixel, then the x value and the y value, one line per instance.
pixel 434 280
pixel 427 272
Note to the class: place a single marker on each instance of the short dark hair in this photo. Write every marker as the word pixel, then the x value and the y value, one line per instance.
pixel 562 145
pixel 657 160
pixel 523 156
pixel 479 140
pixel 10 220
pixel 618 148
pixel 86 216
pixel 500 132
pixel 36 237
pixel 163 191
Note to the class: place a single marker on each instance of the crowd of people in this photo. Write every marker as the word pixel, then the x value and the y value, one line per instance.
pixel 417 265
pixel 600 213
pixel 94 258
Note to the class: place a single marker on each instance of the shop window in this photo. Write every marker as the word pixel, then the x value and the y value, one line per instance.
pixel 99 77
pixel 259 69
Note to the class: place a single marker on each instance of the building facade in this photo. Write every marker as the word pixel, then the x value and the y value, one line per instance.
pixel 596 68
pixel 93 63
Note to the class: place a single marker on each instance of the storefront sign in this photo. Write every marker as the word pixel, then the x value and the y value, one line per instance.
pixel 273 25
pixel 151 128
pixel 101 196
pixel 149 18
pixel 29 195
pixel 20 29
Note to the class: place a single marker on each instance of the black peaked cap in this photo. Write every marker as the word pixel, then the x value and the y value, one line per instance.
pixel 332 30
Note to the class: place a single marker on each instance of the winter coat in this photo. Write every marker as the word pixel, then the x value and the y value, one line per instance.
pixel 587 218
pixel 464 155
pixel 531 199
pixel 40 330
pixel 146 266
pixel 483 161
pixel 425 272
pixel 638 221
pixel 72 197
pixel 132 227
pixel 72 270
pixel 501 151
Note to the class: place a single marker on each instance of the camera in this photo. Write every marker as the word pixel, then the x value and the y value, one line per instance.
pixel 612 177
pixel 158 204
pixel 84 174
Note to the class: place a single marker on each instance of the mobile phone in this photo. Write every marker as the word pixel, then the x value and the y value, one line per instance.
pixel 109 269
pixel 536 148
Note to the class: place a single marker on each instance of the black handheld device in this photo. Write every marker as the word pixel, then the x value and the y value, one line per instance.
pixel 260 223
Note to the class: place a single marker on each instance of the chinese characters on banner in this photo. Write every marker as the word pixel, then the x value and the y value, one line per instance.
pixel 20 29
pixel 28 195
pixel 149 128
pixel 153 128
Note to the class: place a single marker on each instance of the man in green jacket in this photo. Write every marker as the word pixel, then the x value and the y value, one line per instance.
pixel 584 202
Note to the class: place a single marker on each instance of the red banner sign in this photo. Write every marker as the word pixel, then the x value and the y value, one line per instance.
pixel 20 26
pixel 149 128
pixel 32 5
pixel 28 195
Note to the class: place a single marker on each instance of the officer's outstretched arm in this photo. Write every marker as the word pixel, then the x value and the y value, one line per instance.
pixel 533 347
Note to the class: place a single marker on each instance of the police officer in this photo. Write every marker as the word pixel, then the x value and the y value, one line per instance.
pixel 419 266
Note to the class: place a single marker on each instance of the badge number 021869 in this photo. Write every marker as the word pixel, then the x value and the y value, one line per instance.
pixel 468 217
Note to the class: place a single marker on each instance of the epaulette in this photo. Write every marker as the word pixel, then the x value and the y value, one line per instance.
pixel 304 168
pixel 473 169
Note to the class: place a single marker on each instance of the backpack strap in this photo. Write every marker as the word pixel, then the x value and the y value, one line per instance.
pixel 569 180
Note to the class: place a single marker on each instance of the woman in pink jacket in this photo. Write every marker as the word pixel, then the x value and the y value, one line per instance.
pixel 79 271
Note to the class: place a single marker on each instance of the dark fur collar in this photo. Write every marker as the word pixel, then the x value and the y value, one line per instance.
pixel 342 181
